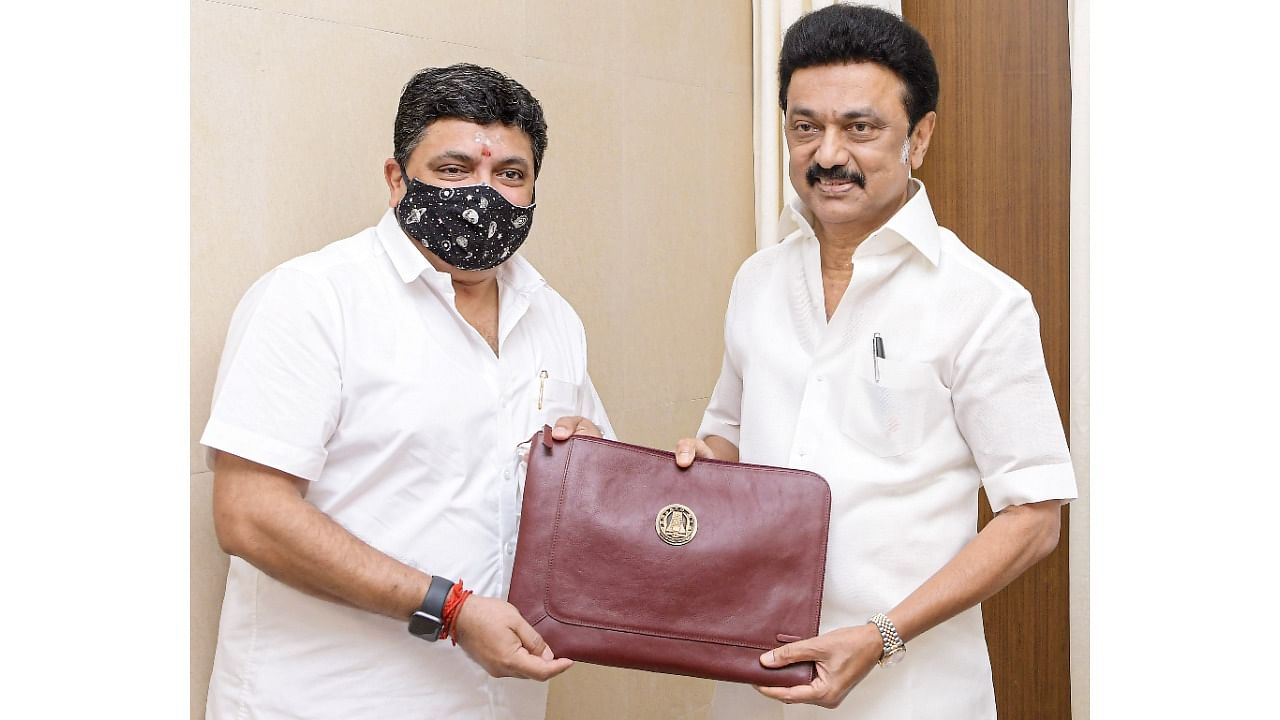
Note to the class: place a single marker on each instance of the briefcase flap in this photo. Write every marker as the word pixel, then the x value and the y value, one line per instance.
pixel 643 547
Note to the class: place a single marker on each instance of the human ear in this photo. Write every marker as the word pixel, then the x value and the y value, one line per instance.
pixel 920 138
pixel 395 180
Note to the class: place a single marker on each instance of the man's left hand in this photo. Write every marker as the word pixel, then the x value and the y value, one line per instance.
pixel 571 425
pixel 843 658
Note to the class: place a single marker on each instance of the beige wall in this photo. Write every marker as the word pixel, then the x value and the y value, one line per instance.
pixel 1078 528
pixel 645 202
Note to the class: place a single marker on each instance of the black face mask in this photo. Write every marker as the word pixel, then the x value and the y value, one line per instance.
pixel 472 227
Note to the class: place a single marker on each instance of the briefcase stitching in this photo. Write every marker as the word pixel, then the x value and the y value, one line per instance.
pixel 665 636
pixel 555 528
pixel 555 532
pixel 780 672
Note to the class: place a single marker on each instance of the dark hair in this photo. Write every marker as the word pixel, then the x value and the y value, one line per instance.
pixel 840 34
pixel 468 92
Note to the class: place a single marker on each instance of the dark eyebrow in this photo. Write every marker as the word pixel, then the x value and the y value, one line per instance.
pixel 857 113
pixel 459 156
pixel 854 114
pixel 515 160
pixel 453 155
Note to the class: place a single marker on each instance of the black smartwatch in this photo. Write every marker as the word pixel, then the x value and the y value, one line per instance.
pixel 427 621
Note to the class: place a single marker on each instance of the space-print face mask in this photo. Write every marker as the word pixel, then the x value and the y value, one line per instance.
pixel 470 227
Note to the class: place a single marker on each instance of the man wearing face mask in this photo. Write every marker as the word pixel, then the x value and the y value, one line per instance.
pixel 365 427
pixel 872 347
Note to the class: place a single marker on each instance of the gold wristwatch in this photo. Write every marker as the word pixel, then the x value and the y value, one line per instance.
pixel 894 648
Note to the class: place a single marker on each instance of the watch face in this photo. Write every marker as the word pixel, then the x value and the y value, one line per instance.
pixel 424 626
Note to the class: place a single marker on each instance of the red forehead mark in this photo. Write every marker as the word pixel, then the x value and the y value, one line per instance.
pixel 484 151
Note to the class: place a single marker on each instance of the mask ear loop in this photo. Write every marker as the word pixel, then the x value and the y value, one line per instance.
pixel 406 179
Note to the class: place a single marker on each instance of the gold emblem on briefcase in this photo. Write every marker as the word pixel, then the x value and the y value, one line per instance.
pixel 676 524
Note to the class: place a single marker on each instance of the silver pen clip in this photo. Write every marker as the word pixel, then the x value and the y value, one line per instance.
pixel 877 353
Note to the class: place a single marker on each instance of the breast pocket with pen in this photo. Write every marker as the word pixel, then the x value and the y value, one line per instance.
pixel 554 398
pixel 892 405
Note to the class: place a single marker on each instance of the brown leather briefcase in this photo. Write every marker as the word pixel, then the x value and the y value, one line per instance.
pixel 624 559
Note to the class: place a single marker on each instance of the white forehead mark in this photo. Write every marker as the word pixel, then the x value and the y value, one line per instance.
pixel 485 139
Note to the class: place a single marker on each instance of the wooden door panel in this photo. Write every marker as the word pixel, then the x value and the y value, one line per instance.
pixel 998 174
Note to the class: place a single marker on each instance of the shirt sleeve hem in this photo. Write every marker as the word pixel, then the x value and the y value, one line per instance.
pixel 710 426
pixel 1031 485
pixel 301 462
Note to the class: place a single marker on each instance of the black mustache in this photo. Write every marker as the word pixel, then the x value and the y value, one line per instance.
pixel 839 173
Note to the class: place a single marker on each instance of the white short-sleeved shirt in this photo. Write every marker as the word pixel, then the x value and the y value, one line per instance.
pixel 962 400
pixel 351 367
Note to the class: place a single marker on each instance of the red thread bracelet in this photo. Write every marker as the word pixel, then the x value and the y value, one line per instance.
pixel 452 606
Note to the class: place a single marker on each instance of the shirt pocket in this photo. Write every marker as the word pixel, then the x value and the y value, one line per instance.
pixel 893 416
pixel 554 399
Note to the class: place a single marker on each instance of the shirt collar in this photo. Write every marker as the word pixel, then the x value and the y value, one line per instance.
pixel 405 257
pixel 515 273
pixel 914 224
pixel 519 274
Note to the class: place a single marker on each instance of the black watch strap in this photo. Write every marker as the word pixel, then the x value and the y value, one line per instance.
pixel 428 620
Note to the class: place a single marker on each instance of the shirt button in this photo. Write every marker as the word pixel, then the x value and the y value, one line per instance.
pixel 820 378
pixel 510 548
pixel 506 474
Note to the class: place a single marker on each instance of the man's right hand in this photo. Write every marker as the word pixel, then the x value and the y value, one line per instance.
pixel 497 637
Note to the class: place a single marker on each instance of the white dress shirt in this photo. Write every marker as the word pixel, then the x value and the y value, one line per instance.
pixel 962 400
pixel 351 367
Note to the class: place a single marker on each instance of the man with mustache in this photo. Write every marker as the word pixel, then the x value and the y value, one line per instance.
pixel 872 347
